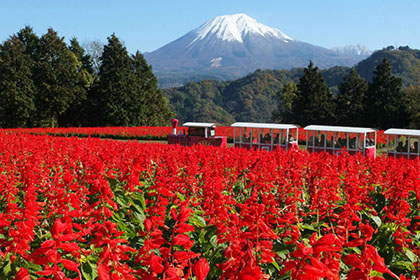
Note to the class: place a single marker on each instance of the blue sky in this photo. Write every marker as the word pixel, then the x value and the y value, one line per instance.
pixel 148 25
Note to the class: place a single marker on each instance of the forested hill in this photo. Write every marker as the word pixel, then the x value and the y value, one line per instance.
pixel 255 96
pixel 405 63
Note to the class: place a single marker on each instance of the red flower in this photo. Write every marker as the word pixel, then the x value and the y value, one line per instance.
pixel 201 269
pixel 22 274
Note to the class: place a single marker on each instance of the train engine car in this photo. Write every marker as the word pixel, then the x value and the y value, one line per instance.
pixel 198 133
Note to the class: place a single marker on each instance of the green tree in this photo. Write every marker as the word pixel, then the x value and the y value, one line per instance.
pixel 384 99
pixel 350 100
pixel 313 103
pixel 126 93
pixel 76 114
pixel 154 108
pixel 31 42
pixel 17 90
pixel 286 98
pixel 412 105
pixel 112 97
pixel 57 79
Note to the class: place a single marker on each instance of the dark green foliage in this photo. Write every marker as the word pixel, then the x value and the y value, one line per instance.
pixel 405 63
pixel 57 79
pixel 384 99
pixel 44 82
pixel 17 91
pixel 412 105
pixel 76 114
pixel 112 101
pixel 155 109
pixel 286 98
pixel 313 103
pixel 251 98
pixel 350 100
pixel 126 93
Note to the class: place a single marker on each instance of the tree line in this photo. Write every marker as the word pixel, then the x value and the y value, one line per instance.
pixel 46 83
pixel 381 103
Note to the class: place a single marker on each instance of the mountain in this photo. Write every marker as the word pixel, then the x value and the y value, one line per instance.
pixel 405 63
pixel 251 98
pixel 254 96
pixel 232 46
pixel 354 50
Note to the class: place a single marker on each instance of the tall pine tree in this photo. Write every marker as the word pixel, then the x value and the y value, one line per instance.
pixel 17 90
pixel 113 103
pixel 154 105
pixel 76 114
pixel 351 100
pixel 384 99
pixel 126 93
pixel 57 79
pixel 313 103
pixel 286 98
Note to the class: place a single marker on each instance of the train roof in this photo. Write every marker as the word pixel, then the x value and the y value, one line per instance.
pixel 399 131
pixel 264 125
pixel 199 124
pixel 339 128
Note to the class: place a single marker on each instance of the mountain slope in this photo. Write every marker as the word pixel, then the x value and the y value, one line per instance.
pixel 250 98
pixel 235 45
pixel 255 96
pixel 405 63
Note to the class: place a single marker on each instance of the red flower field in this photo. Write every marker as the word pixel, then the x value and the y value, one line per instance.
pixel 142 132
pixel 87 208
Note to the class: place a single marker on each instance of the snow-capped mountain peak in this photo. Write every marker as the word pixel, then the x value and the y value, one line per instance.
pixel 235 27
pixel 359 50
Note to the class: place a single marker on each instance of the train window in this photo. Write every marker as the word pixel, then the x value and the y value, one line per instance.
pixel 212 133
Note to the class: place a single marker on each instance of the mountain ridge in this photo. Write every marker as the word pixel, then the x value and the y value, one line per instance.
pixel 254 96
pixel 232 46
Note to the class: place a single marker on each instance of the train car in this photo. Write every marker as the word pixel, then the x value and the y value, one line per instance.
pixel 198 133
pixel 265 136
pixel 402 142
pixel 334 139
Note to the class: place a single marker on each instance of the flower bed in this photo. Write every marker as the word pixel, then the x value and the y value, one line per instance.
pixel 144 132
pixel 75 208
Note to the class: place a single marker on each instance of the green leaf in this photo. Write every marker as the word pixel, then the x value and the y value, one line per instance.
pixel 198 221
pixel 121 199
pixel 213 241
pixel 377 220
pixel 276 265
pixel 180 196
pixel 310 227
pixel 89 271
pixel 403 265
pixel 411 256
pixel 282 254
pixel 139 202
pixel 7 269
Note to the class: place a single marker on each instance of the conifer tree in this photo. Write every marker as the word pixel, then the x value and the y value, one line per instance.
pixel 31 42
pixel 350 100
pixel 57 79
pixel 76 114
pixel 113 103
pixel 17 90
pixel 412 105
pixel 126 92
pixel 286 98
pixel 384 99
pixel 313 103
pixel 155 108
